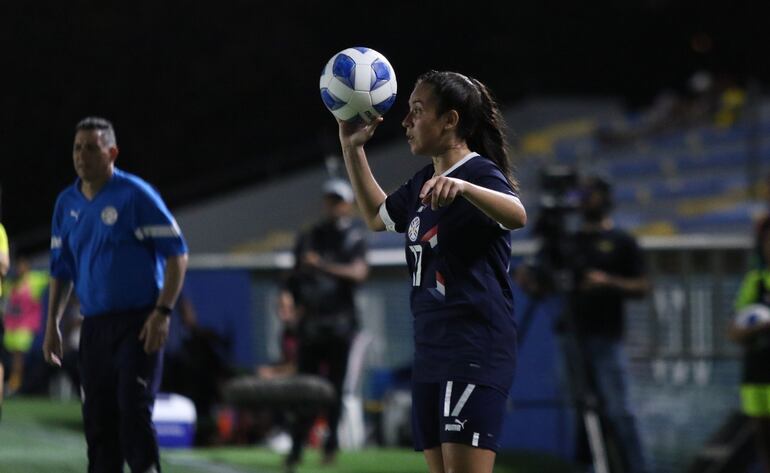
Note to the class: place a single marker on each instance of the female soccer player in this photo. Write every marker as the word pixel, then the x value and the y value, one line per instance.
pixel 457 213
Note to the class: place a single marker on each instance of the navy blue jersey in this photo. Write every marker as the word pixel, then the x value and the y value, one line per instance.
pixel 114 246
pixel 462 297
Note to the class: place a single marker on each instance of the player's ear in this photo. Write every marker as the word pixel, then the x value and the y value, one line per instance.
pixel 452 118
pixel 114 152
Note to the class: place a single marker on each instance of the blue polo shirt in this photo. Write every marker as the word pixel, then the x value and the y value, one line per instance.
pixel 114 246
pixel 462 296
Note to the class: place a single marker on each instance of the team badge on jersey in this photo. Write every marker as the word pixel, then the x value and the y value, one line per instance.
pixel 109 215
pixel 414 229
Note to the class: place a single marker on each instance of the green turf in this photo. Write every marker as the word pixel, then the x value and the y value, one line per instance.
pixel 42 436
pixel 371 460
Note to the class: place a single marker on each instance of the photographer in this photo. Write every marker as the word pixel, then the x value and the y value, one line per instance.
pixel 600 267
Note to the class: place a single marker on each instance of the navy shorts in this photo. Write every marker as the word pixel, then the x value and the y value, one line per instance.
pixel 456 412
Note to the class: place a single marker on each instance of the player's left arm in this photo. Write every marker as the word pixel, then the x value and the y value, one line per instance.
pixel 506 209
pixel 154 224
pixel 173 278
pixel 155 330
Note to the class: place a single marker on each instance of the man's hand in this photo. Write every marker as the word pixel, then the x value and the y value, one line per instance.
pixel 595 279
pixel 155 331
pixel 52 348
pixel 311 259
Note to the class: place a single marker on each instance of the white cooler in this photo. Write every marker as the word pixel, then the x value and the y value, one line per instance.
pixel 174 418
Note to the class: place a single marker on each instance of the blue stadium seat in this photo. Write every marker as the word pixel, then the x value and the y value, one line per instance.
pixel 640 166
pixel 696 187
pixel 734 157
pixel 737 219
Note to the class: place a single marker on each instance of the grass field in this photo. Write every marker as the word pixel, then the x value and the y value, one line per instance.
pixel 42 436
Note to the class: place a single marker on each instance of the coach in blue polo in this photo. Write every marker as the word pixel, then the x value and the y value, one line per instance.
pixel 116 243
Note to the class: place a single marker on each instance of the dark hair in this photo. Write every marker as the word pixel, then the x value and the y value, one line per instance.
pixel 481 124
pixel 99 124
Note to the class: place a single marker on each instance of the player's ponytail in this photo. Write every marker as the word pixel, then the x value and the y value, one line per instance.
pixel 481 124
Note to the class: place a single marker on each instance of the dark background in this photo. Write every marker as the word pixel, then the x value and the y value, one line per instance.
pixel 207 97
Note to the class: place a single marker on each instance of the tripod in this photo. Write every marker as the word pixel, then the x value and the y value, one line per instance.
pixel 606 453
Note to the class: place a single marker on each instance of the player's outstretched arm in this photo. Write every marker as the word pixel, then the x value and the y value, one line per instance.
pixel 369 194
pixel 505 209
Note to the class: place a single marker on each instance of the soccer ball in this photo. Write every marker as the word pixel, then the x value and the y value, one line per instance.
pixel 752 315
pixel 358 84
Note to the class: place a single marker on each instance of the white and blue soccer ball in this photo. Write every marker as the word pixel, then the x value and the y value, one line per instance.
pixel 752 315
pixel 358 84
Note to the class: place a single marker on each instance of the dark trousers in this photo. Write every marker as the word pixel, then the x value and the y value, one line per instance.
pixel 328 358
pixel 607 373
pixel 119 383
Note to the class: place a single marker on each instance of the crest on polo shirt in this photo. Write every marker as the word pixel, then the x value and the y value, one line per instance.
pixel 414 229
pixel 109 215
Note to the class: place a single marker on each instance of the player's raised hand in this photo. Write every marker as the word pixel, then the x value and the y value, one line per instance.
pixel 441 191
pixel 358 133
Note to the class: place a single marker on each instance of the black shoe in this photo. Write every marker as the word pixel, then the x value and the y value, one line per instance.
pixel 328 458
pixel 291 462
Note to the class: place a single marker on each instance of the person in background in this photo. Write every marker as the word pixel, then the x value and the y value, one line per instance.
pixel 4 266
pixel 330 262
pixel 755 340
pixel 196 364
pixel 115 242
pixel 606 267
pixel 23 316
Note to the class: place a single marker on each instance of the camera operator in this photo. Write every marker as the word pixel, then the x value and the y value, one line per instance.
pixel 601 266
pixel 609 268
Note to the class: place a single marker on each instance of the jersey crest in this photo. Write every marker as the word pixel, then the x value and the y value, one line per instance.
pixel 414 229
pixel 109 215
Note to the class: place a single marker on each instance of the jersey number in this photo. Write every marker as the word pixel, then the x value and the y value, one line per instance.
pixel 454 412
pixel 417 274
